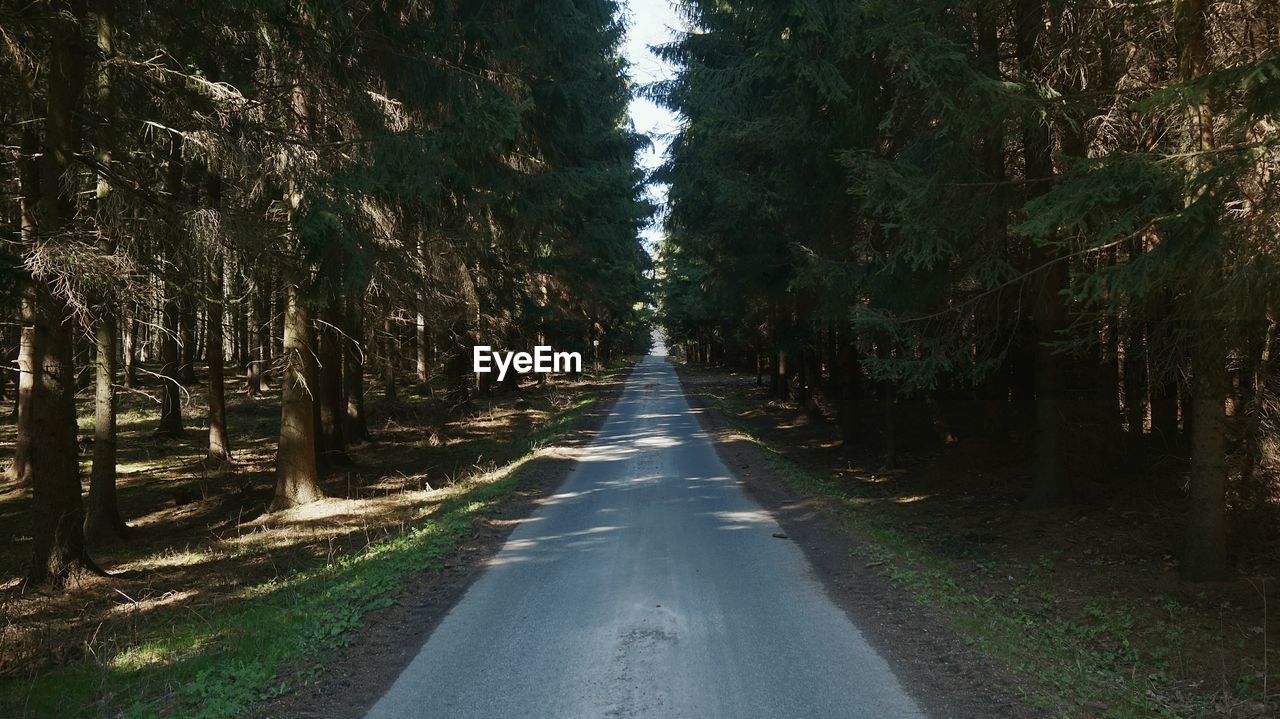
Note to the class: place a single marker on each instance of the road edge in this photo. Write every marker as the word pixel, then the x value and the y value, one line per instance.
pixel 942 671
pixel 357 674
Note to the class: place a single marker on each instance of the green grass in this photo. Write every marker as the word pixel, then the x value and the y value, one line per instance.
pixel 1084 666
pixel 273 635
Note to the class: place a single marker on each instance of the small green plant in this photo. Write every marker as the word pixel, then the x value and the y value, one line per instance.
pixel 221 665
pixel 1080 668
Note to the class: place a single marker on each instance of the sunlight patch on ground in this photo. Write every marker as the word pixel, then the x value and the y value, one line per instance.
pixel 527 543
pixel 518 551
pixel 332 508
pixel 744 520
pixel 165 651
pixel 149 603
pixel 563 496
pixel 658 442
pixel 717 478
pixel 318 520
pixel 168 559
pixel 157 609
pixel 606 454
pixel 911 498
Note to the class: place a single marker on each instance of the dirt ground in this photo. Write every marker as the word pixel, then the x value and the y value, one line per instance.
pixel 199 534
pixel 1104 572
pixel 947 674
pixel 360 672
pixel 944 672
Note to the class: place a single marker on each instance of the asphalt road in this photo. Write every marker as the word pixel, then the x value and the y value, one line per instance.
pixel 649 585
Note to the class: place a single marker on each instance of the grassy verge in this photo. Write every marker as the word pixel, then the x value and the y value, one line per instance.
pixel 220 665
pixel 1085 662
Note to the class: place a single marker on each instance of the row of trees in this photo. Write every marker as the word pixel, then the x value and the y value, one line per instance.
pixel 1052 222
pixel 301 187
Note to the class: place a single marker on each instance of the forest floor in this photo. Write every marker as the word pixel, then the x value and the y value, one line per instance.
pixel 213 606
pixel 1081 607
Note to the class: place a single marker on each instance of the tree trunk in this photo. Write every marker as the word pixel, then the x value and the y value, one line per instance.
pixel 240 319
pixel 813 380
pixel 993 392
pixel 353 371
pixel 297 476
pixel 130 350
pixel 1206 552
pixel 389 361
pixel 1250 516
pixel 1105 417
pixel 277 305
pixel 219 441
pixel 102 518
pixel 1135 387
pixel 58 549
pixel 333 442
pixel 889 402
pixel 10 360
pixel 170 359
pixel 1164 413
pixel 29 184
pixel 420 342
pixel 81 356
pixel 189 341
pixel 261 359
pixel 421 335
pixel 253 369
pixel 58 512
pixel 170 352
pixel 849 389
pixel 1051 485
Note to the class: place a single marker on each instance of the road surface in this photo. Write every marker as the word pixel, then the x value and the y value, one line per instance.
pixel 649 585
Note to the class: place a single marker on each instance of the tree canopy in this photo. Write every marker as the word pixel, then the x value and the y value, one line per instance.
pixel 302 188
pixel 1051 221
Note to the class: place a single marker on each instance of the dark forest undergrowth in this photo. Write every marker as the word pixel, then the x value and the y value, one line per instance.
pixel 211 600
pixel 1083 603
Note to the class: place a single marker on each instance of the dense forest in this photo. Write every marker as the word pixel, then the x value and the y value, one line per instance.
pixel 1051 224
pixel 306 198
pixel 971 377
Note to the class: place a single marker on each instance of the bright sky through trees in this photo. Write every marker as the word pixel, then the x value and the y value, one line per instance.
pixel 651 22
